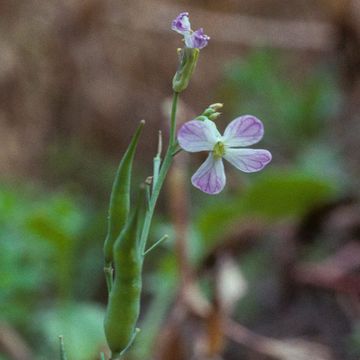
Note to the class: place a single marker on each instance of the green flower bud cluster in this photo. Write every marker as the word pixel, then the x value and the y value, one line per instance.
pixel 211 112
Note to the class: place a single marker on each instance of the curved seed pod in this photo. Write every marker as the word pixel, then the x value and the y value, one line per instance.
pixel 124 300
pixel 120 197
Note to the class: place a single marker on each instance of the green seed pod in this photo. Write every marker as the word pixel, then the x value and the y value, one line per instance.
pixel 187 61
pixel 120 197
pixel 124 300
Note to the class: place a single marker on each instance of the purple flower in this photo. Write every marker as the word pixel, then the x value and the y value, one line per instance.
pixel 193 39
pixel 196 39
pixel 181 24
pixel 196 135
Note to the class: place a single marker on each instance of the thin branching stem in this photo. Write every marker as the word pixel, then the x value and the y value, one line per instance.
pixel 165 166
pixel 153 246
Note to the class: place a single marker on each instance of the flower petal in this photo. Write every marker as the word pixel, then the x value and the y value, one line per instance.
pixel 196 135
pixel 181 24
pixel 197 39
pixel 244 131
pixel 210 177
pixel 248 160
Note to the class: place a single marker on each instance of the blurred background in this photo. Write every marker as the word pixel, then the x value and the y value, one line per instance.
pixel 269 269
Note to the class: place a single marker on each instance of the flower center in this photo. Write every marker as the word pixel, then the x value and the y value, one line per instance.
pixel 219 150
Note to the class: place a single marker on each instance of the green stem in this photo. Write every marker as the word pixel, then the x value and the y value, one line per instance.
pixel 157 161
pixel 162 175
pixel 173 120
pixel 62 348
pixel 153 246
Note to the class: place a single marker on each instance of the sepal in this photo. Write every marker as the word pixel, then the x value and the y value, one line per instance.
pixel 188 58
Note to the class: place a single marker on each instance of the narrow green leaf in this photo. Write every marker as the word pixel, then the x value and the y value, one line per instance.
pixel 120 196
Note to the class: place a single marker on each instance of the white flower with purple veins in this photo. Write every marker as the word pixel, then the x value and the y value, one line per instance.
pixel 196 135
pixel 193 39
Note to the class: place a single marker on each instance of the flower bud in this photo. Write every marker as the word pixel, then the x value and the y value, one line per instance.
pixel 214 116
pixel 216 106
pixel 181 24
pixel 187 61
pixel 196 39
pixel 201 118
pixel 211 112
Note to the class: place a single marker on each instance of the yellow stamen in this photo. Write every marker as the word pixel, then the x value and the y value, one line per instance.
pixel 219 150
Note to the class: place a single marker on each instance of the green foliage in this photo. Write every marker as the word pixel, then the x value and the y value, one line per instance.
pixel 58 223
pixel 81 326
pixel 272 196
pixel 40 241
pixel 277 195
pixel 37 245
pixel 295 107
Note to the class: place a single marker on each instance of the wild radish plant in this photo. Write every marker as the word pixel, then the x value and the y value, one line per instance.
pixel 128 228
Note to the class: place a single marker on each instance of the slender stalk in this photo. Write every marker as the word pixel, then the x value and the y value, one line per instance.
pixel 153 246
pixel 62 348
pixel 173 120
pixel 162 174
